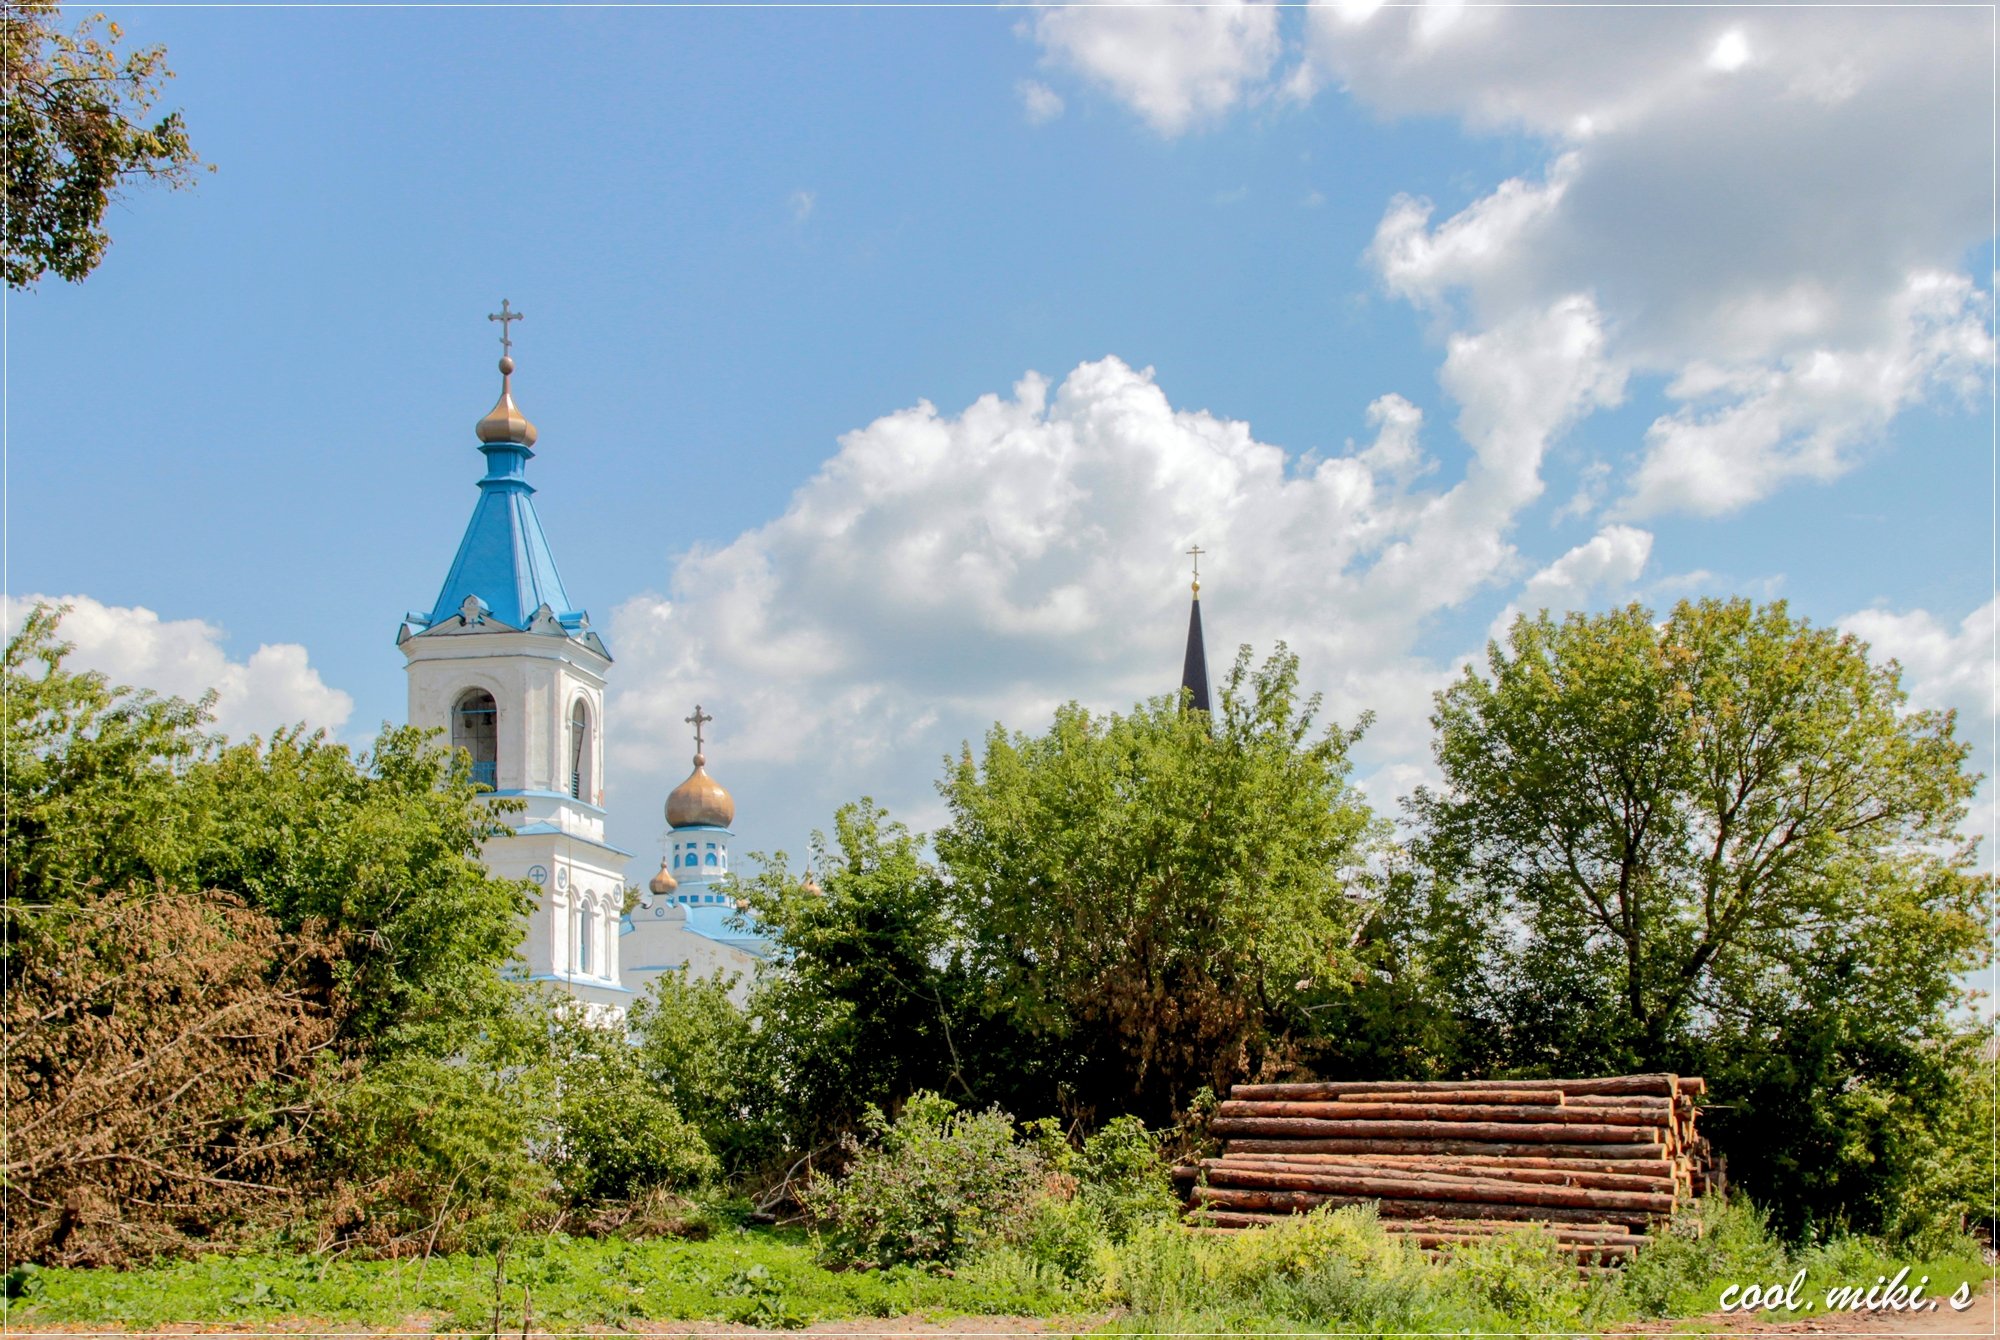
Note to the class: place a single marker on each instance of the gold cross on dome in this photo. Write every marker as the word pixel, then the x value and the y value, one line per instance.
pixel 699 719
pixel 506 318
pixel 1197 552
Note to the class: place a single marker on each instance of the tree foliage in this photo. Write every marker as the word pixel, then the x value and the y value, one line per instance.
pixel 158 1050
pixel 1715 844
pixel 107 788
pixel 76 115
pixel 1122 911
pixel 242 978
pixel 1148 899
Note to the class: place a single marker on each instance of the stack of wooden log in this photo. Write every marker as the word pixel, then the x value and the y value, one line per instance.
pixel 1596 1161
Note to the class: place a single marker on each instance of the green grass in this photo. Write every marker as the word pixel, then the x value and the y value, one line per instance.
pixel 1321 1272
pixel 764 1278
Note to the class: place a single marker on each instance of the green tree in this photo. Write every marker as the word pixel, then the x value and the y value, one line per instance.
pixel 91 772
pixel 1715 843
pixel 703 1053
pixel 74 114
pixel 1149 901
pixel 108 788
pixel 861 1003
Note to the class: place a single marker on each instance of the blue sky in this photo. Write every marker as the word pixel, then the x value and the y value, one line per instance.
pixel 886 360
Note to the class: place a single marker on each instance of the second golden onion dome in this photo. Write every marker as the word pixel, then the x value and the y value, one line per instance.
pixel 663 883
pixel 700 801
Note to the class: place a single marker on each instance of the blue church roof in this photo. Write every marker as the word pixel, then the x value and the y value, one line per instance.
pixel 504 572
pixel 504 558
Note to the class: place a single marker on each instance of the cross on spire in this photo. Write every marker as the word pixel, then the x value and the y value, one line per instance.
pixel 1196 553
pixel 699 719
pixel 506 318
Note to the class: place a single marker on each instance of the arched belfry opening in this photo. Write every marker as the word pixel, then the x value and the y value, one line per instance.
pixel 475 729
pixel 580 761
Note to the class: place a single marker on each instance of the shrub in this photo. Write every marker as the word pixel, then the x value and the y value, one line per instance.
pixel 617 1134
pixel 1121 1176
pixel 1715 1240
pixel 430 1154
pixel 1096 1197
pixel 1328 1268
pixel 929 1187
pixel 702 1051
pixel 159 1047
pixel 1525 1276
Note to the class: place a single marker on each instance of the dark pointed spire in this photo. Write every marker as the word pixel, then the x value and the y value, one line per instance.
pixel 1194 670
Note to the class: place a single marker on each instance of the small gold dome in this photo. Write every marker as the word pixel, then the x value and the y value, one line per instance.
pixel 505 422
pixel 663 883
pixel 700 800
pixel 811 885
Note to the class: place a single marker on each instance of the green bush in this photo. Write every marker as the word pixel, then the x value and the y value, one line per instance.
pixel 702 1051
pixel 1121 1176
pixel 929 1187
pixel 1715 1240
pixel 1096 1197
pixel 1333 1269
pixel 617 1134
pixel 1524 1276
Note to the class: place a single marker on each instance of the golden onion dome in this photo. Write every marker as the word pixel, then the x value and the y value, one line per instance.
pixel 505 422
pixel 700 801
pixel 811 885
pixel 663 883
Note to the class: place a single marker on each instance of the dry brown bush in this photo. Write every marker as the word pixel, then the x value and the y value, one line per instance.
pixel 160 1052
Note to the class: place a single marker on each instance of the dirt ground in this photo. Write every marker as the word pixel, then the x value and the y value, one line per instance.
pixel 1981 1319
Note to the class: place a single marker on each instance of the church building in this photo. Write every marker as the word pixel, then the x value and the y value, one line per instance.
pixel 508 666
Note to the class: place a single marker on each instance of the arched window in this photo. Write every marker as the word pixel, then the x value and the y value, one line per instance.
pixel 586 933
pixel 711 858
pixel 474 728
pixel 579 752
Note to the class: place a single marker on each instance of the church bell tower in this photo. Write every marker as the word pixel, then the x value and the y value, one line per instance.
pixel 507 665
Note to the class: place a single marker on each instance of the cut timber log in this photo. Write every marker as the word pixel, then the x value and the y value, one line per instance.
pixel 1651 1169
pixel 1517 1097
pixel 1408 1207
pixel 1661 1085
pixel 1625 1114
pixel 1661 1185
pixel 1483 1191
pixel 1595 1161
pixel 1648 1151
pixel 1306 1128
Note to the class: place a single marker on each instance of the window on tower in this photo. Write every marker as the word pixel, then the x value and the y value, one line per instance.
pixel 474 728
pixel 579 751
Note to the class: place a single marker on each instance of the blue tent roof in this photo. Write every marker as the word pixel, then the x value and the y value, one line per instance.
pixel 504 558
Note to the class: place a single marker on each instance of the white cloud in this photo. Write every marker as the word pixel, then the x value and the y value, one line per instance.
pixel 1603 566
pixel 802 203
pixel 1395 451
pixel 276 686
pixel 944 571
pixel 1942 666
pixel 1039 102
pixel 1767 208
pixel 1730 53
pixel 1742 432
pixel 1175 66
